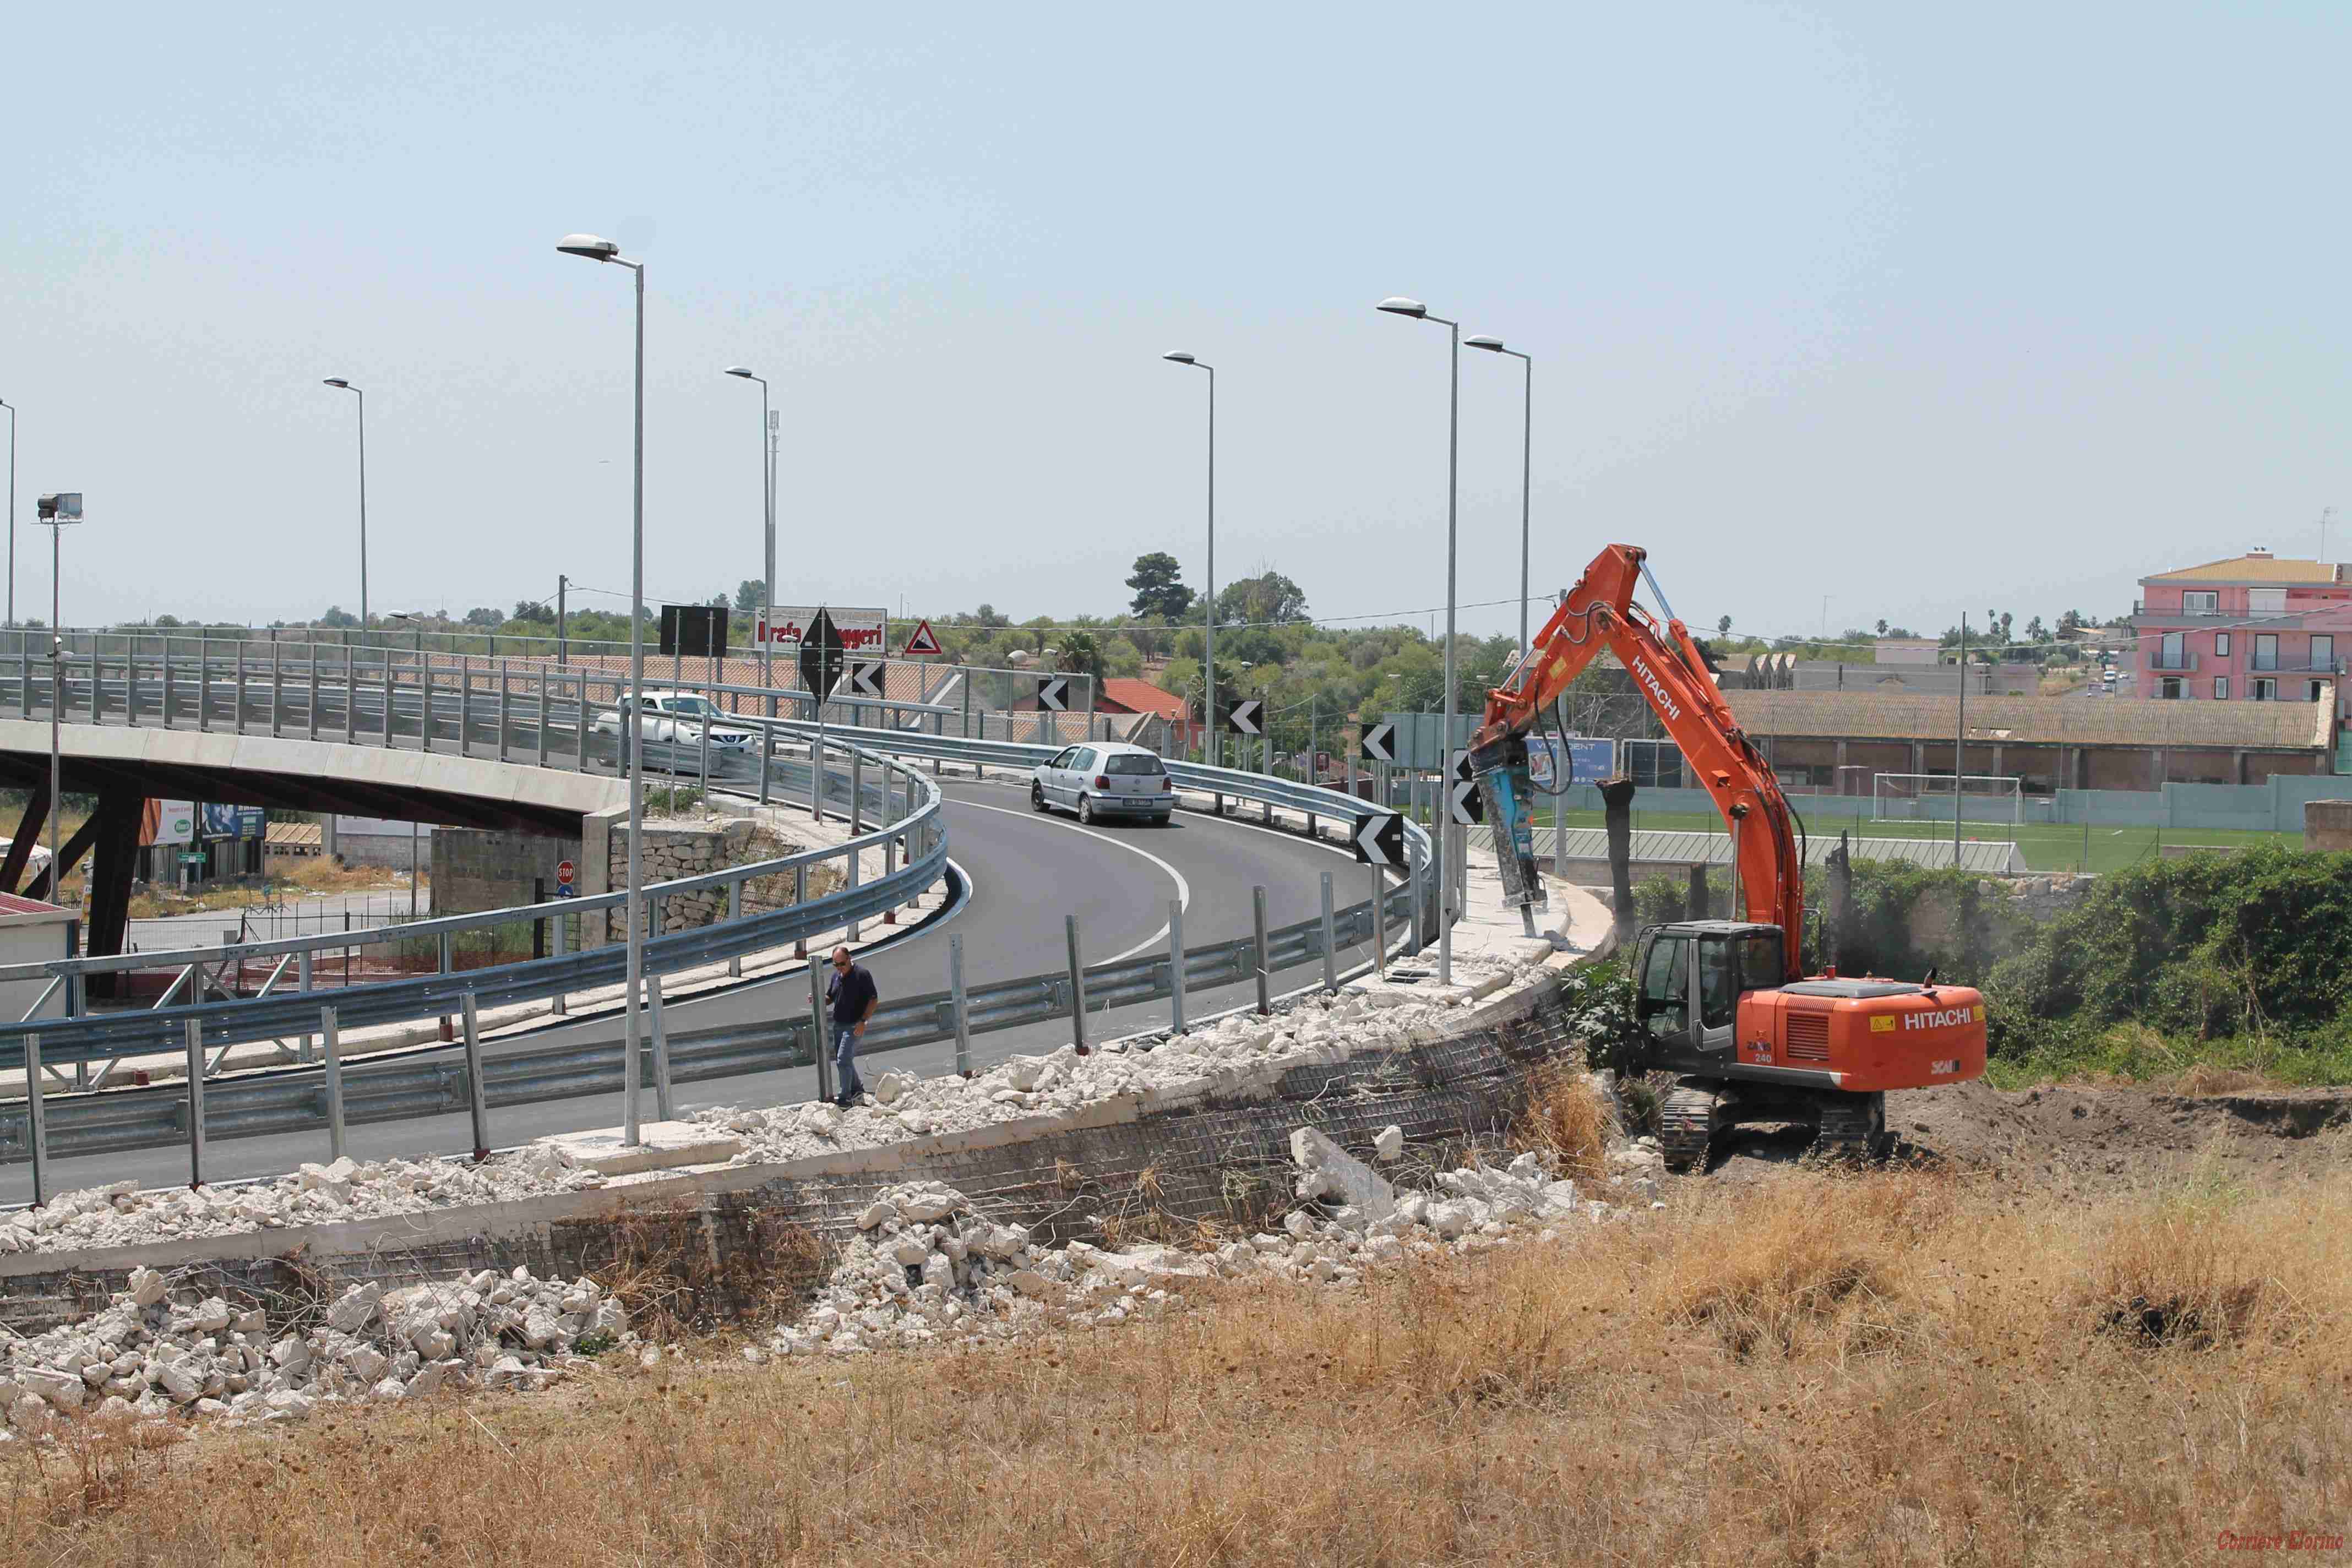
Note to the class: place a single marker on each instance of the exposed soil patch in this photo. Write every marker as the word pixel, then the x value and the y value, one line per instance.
pixel 2093 1139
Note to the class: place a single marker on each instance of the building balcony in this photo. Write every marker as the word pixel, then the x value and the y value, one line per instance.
pixel 2292 666
pixel 2180 664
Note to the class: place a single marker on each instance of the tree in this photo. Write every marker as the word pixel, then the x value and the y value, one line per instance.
pixel 1268 597
pixel 1723 626
pixel 1158 588
pixel 337 615
pixel 1080 655
pixel 484 615
pixel 751 595
pixel 533 610
pixel 1882 625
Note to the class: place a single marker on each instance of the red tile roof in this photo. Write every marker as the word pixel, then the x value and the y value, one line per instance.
pixel 1142 697
pixel 16 904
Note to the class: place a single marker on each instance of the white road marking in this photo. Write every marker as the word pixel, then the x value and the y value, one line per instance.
pixel 1183 887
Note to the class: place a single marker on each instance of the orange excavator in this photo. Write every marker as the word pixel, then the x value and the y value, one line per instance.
pixel 1725 1005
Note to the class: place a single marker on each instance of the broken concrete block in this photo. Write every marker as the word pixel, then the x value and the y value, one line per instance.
pixel 1390 1144
pixel 1330 1172
pixel 875 1212
pixel 146 1286
pixel 355 1308
pixel 891 1087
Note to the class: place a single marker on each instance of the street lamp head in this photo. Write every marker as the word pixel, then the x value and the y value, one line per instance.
pixel 338 381
pixel 1180 357
pixel 743 370
pixel 1483 341
pixel 595 248
pixel 1398 305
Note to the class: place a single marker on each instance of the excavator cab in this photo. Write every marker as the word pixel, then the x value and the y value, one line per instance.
pixel 1690 978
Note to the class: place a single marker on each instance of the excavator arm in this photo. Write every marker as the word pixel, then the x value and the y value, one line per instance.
pixel 1667 667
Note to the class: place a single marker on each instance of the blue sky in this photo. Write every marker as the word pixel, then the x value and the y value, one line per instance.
pixel 1922 310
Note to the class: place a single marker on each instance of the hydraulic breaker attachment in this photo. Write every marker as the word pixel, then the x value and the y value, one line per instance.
pixel 1509 793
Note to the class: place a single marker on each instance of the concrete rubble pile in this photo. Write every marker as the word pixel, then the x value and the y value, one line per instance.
pixel 926 1267
pixel 1314 1028
pixel 121 1215
pixel 149 1355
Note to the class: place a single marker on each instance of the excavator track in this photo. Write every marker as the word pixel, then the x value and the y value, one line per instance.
pixel 1688 1119
pixel 1851 1126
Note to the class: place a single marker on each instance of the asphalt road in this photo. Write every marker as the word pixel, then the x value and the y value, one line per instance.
pixel 1027 873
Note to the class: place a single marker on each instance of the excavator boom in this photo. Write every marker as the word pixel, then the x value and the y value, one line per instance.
pixel 1665 664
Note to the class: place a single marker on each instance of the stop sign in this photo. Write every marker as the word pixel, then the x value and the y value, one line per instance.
pixel 563 872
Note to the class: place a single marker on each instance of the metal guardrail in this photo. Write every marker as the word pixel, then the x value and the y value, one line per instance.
pixel 296 1014
pixel 434 1080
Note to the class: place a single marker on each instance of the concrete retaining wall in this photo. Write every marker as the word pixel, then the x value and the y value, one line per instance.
pixel 474 870
pixel 1216 1149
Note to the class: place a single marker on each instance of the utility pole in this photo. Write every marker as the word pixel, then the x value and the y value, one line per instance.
pixel 1960 742
pixel 562 643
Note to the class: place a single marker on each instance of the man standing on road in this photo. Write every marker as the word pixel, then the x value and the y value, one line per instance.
pixel 853 998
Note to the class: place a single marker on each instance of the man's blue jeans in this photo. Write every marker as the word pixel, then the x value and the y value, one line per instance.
pixel 847 1084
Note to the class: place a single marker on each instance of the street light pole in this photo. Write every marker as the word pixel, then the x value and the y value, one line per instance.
pixel 768 512
pixel 58 512
pixel 1526 448
pixel 347 386
pixel 1397 305
pixel 596 249
pixel 1210 738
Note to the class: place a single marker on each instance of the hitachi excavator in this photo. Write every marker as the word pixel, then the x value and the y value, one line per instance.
pixel 1724 1004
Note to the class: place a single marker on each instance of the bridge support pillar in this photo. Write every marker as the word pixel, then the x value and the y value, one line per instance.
pixel 115 856
pixel 28 832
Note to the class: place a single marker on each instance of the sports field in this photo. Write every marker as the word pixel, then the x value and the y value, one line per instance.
pixel 2047 847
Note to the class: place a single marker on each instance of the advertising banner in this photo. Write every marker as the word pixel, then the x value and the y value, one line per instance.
pixel 862 631
pixel 168 822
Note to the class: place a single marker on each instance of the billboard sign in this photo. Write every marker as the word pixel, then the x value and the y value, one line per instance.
pixel 862 631
pixel 168 822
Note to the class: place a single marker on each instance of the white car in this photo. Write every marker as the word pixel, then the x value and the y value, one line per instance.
pixel 1104 779
pixel 674 722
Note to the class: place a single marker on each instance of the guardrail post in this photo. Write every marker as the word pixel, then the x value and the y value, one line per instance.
pixel 1416 877
pixel 562 924
pixel 310 714
pixel 856 793
pixel 735 912
pixel 1379 922
pixel 302 980
pixel 856 927
pixel 1176 963
pixel 276 682
pixel 477 1093
pixel 662 1109
pixel 387 696
pixel 196 1104
pixel 822 1047
pixel 580 719
pixel 330 1033
pixel 1078 987
pixel 889 865
pixel 799 896
pixel 443 943
pixel 1257 923
pixel 504 699
pixel 1330 941
pixel 425 705
pixel 36 1119
pixel 24 692
pixel 767 748
pixel 956 998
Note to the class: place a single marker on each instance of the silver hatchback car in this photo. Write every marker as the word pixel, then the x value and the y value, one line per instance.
pixel 1105 779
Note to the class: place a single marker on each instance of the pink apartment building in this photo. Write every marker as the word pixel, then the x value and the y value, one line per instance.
pixel 2254 628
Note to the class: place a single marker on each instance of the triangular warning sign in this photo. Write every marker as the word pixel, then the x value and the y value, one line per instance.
pixel 922 642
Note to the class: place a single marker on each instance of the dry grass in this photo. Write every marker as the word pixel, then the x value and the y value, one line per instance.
pixel 1566 1118
pixel 1829 1368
